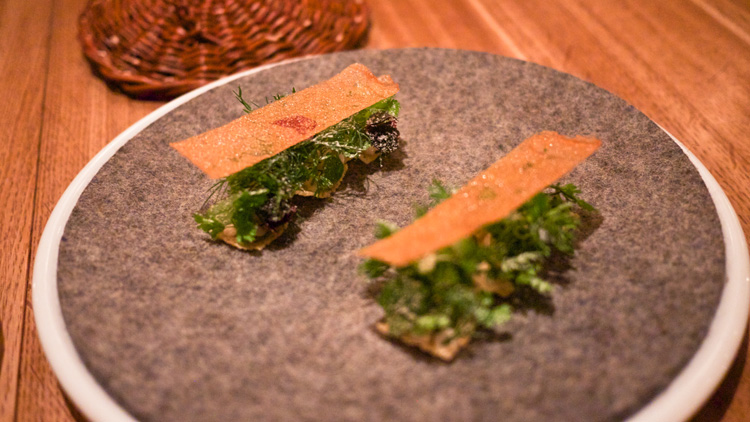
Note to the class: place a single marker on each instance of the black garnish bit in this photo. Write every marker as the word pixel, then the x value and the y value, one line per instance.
pixel 382 131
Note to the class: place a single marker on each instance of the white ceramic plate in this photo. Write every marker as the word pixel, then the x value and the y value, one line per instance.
pixel 687 392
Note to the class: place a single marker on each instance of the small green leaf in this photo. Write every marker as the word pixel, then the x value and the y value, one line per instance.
pixel 331 171
pixel 570 192
pixel 384 229
pixel 248 234
pixel 246 207
pixel 465 248
pixel 500 314
pixel 373 268
pixel 438 192
pixel 209 225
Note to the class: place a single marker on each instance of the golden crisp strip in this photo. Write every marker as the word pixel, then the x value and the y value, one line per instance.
pixel 492 195
pixel 269 130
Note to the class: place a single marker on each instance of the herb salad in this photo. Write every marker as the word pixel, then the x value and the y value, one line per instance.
pixel 257 203
pixel 440 301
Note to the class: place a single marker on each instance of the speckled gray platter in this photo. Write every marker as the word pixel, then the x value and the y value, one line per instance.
pixel 176 327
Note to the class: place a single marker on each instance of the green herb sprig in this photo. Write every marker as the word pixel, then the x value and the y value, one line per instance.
pixel 469 285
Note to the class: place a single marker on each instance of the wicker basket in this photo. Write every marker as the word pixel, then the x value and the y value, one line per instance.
pixel 162 48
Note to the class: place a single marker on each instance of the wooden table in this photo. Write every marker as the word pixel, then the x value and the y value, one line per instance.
pixel 686 64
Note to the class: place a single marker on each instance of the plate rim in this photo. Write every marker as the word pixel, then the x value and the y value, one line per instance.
pixel 684 395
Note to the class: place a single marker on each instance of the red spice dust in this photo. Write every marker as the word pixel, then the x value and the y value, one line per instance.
pixel 299 123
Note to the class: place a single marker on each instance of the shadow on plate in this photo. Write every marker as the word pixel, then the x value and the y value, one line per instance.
pixel 716 407
pixel 555 271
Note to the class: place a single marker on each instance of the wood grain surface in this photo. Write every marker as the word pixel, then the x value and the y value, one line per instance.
pixel 684 64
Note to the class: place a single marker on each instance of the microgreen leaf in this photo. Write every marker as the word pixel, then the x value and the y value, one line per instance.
pixel 209 225
pixel 384 229
pixel 373 268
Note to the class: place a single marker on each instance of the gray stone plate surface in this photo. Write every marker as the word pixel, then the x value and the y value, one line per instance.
pixel 176 327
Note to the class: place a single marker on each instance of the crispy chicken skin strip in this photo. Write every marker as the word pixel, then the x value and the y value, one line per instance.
pixel 266 131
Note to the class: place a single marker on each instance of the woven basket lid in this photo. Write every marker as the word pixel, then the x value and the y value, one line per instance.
pixel 162 48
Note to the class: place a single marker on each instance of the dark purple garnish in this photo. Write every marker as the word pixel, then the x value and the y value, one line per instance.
pixel 382 131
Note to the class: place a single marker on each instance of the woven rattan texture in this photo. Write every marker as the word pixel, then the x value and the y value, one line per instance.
pixel 163 48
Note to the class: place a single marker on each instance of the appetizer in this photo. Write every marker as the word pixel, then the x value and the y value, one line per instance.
pixel 455 269
pixel 296 145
